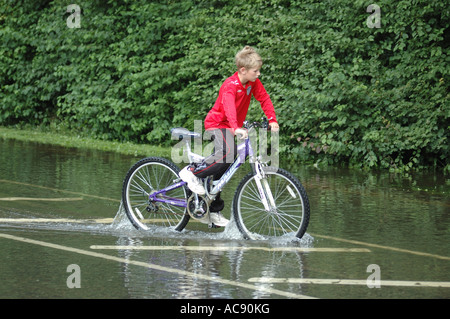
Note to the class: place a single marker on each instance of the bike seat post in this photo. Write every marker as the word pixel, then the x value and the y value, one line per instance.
pixel 193 157
pixel 187 150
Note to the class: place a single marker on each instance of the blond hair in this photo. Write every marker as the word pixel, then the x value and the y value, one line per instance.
pixel 248 58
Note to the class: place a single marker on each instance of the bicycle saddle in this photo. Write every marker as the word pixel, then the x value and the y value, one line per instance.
pixel 182 133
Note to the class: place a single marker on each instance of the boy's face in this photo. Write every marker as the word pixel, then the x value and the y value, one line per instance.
pixel 250 74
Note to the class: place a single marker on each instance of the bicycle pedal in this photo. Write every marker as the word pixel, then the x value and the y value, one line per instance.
pixel 212 225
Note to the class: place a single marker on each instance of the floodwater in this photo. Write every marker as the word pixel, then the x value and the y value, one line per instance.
pixel 63 234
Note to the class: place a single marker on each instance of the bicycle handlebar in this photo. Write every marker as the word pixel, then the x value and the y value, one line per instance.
pixel 263 124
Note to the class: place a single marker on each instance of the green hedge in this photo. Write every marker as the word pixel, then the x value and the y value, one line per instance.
pixel 344 92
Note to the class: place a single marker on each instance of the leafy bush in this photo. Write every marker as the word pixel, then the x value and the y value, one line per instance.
pixel 344 92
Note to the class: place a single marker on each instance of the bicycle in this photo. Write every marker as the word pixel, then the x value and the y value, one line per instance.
pixel 268 201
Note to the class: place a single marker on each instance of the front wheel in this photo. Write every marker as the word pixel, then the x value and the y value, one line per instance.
pixel 287 213
pixel 147 176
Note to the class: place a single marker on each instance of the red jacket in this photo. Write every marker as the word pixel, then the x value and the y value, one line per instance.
pixel 231 106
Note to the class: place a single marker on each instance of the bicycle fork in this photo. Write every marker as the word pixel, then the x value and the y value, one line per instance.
pixel 263 188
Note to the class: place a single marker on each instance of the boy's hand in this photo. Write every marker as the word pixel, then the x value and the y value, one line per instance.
pixel 274 127
pixel 241 132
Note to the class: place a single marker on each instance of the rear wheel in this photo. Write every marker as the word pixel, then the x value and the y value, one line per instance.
pixel 289 215
pixel 147 176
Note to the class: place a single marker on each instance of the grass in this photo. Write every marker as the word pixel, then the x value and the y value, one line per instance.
pixel 71 139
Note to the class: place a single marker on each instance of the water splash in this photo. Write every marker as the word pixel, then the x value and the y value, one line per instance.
pixel 121 221
pixel 122 225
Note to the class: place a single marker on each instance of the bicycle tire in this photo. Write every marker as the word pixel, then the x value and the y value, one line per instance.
pixel 144 177
pixel 254 222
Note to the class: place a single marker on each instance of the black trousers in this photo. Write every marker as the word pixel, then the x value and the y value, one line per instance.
pixel 225 150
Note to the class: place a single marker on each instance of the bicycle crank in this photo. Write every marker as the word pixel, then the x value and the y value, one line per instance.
pixel 198 207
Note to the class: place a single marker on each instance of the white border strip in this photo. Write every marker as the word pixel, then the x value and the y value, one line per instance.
pixel 59 190
pixel 395 283
pixel 356 242
pixel 10 199
pixel 55 220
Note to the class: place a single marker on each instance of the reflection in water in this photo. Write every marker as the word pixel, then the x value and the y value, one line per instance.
pixel 410 212
pixel 232 263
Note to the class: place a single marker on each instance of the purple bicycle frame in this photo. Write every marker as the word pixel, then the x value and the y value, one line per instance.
pixel 244 150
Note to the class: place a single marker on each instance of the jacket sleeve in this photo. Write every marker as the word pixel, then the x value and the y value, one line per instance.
pixel 261 95
pixel 229 105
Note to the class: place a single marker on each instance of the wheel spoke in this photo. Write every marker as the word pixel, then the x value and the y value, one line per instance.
pixel 147 176
pixel 289 214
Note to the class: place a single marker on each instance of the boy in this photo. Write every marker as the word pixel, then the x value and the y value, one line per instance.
pixel 225 120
